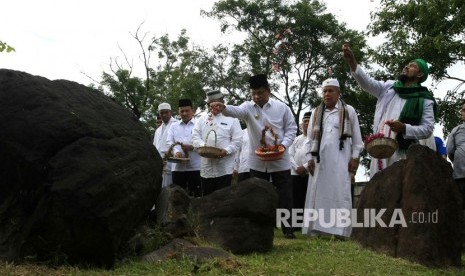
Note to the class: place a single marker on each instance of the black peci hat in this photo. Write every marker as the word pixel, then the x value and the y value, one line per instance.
pixel 184 102
pixel 258 81
pixel 307 115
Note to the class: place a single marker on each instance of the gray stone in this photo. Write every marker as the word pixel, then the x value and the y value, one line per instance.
pixel 169 251
pixel 171 211
pixel 78 171
pixel 423 188
pixel 240 218
pixel 179 249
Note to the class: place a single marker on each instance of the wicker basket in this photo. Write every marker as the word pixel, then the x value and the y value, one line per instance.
pixel 170 158
pixel 383 147
pixel 269 153
pixel 208 151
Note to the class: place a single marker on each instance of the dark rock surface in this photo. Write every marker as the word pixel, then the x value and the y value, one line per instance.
pixel 78 172
pixel 423 189
pixel 240 218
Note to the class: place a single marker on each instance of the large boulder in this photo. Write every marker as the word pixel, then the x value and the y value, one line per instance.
pixel 421 202
pixel 240 218
pixel 78 172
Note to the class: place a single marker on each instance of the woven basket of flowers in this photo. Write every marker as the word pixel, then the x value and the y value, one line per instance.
pixel 268 152
pixel 170 158
pixel 380 146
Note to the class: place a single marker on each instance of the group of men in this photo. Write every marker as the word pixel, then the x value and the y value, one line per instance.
pixel 317 167
pixel 180 139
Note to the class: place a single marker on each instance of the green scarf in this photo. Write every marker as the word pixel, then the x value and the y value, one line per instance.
pixel 413 109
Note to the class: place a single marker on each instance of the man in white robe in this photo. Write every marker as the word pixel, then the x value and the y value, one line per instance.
pixel 160 137
pixel 333 149
pixel 185 174
pixel 390 113
pixel 260 114
pixel 216 130
pixel 299 170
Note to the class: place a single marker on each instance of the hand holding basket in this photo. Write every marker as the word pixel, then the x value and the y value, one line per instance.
pixel 379 146
pixel 170 158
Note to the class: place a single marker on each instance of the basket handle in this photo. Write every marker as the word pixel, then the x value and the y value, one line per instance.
pixel 169 152
pixel 382 129
pixel 263 140
pixel 208 133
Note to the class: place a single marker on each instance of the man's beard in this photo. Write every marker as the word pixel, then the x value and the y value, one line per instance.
pixel 402 78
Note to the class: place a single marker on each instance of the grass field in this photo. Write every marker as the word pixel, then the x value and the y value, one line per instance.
pixel 301 256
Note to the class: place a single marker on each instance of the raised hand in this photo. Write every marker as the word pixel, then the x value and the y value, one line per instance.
pixel 349 57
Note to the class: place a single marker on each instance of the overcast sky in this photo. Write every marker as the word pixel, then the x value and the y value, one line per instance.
pixel 62 39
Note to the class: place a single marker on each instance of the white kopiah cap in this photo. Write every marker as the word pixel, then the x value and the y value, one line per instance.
pixel 330 82
pixel 164 106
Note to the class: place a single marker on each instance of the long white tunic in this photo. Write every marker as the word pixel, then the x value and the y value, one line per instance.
pixel 329 188
pixel 297 153
pixel 388 107
pixel 228 137
pixel 159 141
pixel 273 113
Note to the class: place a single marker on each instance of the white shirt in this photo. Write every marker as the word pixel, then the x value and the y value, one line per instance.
pixel 275 114
pixel 159 141
pixel 297 153
pixel 228 137
pixel 161 135
pixel 242 156
pixel 389 107
pixel 456 146
pixel 181 132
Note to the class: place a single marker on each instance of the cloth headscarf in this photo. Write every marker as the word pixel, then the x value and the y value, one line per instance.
pixel 423 68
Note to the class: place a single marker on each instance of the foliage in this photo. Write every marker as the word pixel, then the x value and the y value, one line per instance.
pixel 177 73
pixel 227 71
pixel 5 47
pixel 301 256
pixel 296 43
pixel 127 90
pixel 430 29
pixel 449 109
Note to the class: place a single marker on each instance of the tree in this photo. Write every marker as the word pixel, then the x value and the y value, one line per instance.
pixel 180 70
pixel 296 43
pixel 226 69
pixel 174 74
pixel 430 29
pixel 5 47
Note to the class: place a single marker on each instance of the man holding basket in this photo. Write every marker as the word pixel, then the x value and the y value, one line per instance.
pixel 265 116
pixel 404 106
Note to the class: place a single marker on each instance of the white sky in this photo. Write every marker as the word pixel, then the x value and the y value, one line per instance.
pixel 60 39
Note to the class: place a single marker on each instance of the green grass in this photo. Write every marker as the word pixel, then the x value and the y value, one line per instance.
pixel 302 256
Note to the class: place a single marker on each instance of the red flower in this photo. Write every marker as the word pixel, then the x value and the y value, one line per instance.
pixel 372 137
